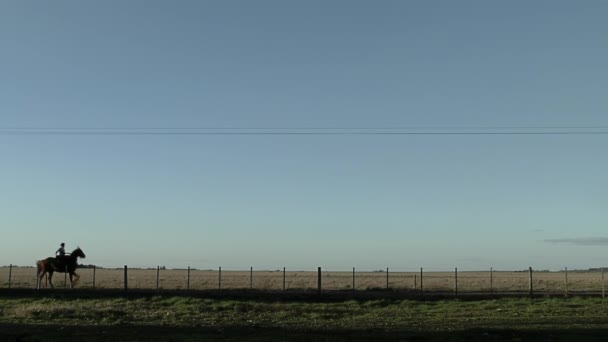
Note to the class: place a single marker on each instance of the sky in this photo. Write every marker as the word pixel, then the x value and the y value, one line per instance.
pixel 302 201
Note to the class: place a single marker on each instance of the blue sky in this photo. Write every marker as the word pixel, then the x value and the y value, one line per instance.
pixel 305 201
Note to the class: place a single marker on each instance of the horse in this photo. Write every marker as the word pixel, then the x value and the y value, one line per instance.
pixel 66 264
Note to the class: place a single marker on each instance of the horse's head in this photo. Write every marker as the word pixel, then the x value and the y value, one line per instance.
pixel 78 253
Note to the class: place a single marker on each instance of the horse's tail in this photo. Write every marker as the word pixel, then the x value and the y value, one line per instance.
pixel 38 267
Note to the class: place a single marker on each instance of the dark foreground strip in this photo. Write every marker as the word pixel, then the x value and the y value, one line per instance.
pixel 33 332
pixel 274 295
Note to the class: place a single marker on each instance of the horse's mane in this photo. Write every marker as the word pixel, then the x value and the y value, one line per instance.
pixel 77 253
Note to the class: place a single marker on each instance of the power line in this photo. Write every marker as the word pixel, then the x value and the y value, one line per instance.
pixel 82 133
pixel 403 130
pixel 382 128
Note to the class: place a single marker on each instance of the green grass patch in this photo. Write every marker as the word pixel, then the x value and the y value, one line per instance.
pixel 387 315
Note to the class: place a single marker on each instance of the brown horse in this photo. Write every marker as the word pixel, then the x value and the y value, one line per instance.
pixel 66 264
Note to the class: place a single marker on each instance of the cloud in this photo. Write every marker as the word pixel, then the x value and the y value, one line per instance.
pixel 581 241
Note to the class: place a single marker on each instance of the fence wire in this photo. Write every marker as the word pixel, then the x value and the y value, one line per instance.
pixel 486 281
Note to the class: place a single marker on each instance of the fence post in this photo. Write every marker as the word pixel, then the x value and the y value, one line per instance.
pixel 157 278
pixel 415 283
pixel 319 280
pixel 491 280
pixel 603 285
pixel 94 270
pixel 566 275
pixel 188 281
pixel 283 278
pixel 220 279
pixel 251 277
pixel 421 288
pixel 387 278
pixel 531 286
pixel 126 279
pixel 10 274
pixel 456 281
pixel 353 279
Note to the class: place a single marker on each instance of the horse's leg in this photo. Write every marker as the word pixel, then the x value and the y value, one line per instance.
pixel 71 280
pixel 51 279
pixel 39 274
pixel 44 275
pixel 39 277
pixel 76 279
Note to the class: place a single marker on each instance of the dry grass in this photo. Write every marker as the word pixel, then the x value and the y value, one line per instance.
pixel 25 277
pixel 181 318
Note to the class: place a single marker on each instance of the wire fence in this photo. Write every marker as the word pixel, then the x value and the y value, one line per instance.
pixel 441 281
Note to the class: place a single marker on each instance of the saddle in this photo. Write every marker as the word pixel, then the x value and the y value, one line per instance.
pixel 60 262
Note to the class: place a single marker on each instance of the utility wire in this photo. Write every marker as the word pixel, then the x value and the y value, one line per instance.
pixel 404 130
pixel 49 133
pixel 304 128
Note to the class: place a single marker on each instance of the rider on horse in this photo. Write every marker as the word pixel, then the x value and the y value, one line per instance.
pixel 62 262
pixel 61 255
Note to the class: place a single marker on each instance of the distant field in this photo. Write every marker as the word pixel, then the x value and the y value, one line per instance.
pixel 502 281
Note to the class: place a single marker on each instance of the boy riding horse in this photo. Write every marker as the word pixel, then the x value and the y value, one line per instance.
pixel 61 256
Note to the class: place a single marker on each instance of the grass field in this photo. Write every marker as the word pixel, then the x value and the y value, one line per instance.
pixel 502 281
pixel 185 318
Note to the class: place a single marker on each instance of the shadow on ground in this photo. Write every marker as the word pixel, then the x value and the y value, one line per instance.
pixel 29 332
pixel 277 295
